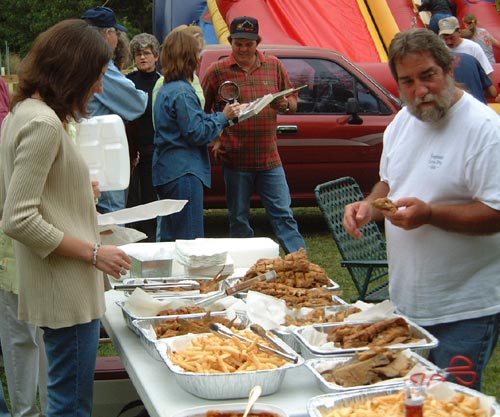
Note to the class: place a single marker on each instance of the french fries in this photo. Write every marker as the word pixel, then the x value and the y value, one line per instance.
pixel 393 405
pixel 215 354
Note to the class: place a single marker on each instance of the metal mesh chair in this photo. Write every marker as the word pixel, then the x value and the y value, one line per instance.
pixel 365 258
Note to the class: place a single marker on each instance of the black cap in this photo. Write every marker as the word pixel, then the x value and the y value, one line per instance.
pixel 102 17
pixel 244 28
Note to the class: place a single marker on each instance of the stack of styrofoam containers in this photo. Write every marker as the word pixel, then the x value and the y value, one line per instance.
pixel 103 143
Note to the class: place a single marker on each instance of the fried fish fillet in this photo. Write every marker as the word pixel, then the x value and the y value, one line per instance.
pixel 385 204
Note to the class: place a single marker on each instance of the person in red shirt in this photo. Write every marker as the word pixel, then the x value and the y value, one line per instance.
pixel 249 150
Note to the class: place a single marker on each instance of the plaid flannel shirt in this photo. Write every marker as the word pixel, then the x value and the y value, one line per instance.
pixel 252 144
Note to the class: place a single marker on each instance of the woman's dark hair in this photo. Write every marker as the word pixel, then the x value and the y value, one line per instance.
pixel 63 65
pixel 179 56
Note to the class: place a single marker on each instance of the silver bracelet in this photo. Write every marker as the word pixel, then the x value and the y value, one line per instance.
pixel 95 253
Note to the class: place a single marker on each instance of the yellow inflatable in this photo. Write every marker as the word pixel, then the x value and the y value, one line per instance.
pixel 220 26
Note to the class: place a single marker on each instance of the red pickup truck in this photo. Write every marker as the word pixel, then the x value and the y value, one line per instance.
pixel 337 130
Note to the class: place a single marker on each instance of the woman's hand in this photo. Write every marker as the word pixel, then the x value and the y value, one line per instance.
pixel 95 188
pixel 217 150
pixel 113 261
pixel 232 111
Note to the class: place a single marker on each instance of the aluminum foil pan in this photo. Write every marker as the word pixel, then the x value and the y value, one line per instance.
pixel 285 333
pixel 310 350
pixel 130 317
pixel 147 335
pixel 233 281
pixel 161 293
pixel 231 408
pixel 322 405
pixel 317 366
pixel 225 386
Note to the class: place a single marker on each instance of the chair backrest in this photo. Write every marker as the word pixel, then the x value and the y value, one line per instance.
pixel 332 197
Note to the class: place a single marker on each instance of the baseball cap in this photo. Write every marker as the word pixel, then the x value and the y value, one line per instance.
pixel 448 25
pixel 244 27
pixel 102 17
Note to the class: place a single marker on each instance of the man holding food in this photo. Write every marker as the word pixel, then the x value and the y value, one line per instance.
pixel 439 170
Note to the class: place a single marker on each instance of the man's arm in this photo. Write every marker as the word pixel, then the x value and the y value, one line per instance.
pixel 120 95
pixel 472 218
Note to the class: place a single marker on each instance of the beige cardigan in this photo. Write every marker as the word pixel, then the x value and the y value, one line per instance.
pixel 47 193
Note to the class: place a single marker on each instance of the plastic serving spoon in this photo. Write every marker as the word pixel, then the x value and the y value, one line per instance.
pixel 252 398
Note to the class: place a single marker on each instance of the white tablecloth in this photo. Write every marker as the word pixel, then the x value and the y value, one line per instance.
pixel 156 385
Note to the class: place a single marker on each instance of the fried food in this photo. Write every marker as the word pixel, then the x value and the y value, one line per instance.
pixel 385 204
pixel 294 270
pixel 299 282
pixel 216 354
pixel 393 405
pixel 381 333
pixel 370 367
pixel 297 297
pixel 180 326
pixel 319 315
pixel 181 310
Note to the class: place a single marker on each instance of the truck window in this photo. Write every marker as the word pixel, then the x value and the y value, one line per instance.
pixel 329 87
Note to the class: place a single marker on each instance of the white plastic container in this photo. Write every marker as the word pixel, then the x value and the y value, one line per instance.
pixel 103 143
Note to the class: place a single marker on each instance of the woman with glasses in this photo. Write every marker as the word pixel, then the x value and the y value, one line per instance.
pixel 144 49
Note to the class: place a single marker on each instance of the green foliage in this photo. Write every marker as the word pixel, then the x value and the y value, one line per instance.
pixel 22 20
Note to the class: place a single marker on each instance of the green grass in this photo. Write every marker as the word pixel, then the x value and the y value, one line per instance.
pixel 322 251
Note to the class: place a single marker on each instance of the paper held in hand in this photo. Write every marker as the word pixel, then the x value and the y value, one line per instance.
pixel 255 107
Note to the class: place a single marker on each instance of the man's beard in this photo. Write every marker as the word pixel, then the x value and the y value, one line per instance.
pixel 441 103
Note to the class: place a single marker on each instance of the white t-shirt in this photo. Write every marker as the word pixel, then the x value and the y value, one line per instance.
pixel 438 276
pixel 472 48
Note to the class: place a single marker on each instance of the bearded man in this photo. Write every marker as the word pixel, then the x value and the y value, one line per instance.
pixel 440 168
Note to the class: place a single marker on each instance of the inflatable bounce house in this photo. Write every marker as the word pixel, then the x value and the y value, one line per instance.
pixel 359 29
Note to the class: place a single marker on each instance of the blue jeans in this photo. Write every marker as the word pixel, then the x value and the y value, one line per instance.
pixel 4 411
pixel 188 223
pixel 474 338
pixel 71 354
pixel 111 201
pixel 273 189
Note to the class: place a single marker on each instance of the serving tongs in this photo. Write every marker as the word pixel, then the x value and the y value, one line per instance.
pixel 260 331
pixel 222 330
pixel 186 285
pixel 242 286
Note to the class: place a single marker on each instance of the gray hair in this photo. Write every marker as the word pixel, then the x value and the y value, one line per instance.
pixel 419 41
pixel 143 41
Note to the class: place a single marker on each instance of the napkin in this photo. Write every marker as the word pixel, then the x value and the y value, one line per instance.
pixel 141 212
pixel 121 235
pixel 197 253
pixel 142 304
pixel 372 312
pixel 265 310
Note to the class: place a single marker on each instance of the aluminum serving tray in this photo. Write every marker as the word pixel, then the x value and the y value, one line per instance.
pixel 317 366
pixel 166 293
pixel 130 317
pixel 286 333
pixel 310 351
pixel 227 385
pixel 230 282
pixel 322 405
pixel 147 335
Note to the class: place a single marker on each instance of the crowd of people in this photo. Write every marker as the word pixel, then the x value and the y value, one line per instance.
pixel 439 166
